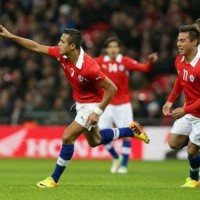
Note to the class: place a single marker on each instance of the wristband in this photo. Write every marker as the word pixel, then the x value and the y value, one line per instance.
pixel 98 111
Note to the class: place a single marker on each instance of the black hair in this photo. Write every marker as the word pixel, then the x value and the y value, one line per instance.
pixel 75 37
pixel 112 39
pixel 197 20
pixel 197 24
pixel 193 32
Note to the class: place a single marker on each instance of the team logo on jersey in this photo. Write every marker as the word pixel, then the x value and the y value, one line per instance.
pixel 81 79
pixel 121 68
pixel 191 78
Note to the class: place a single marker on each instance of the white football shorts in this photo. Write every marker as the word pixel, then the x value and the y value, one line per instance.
pixel 119 115
pixel 188 125
pixel 83 111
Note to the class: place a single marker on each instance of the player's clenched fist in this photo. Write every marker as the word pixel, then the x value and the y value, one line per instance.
pixel 4 32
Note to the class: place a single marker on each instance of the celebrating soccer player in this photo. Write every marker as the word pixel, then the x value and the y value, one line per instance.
pixel 187 125
pixel 92 91
pixel 119 111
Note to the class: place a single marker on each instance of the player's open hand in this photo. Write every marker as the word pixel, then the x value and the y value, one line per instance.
pixel 4 32
pixel 178 113
pixel 153 57
pixel 167 108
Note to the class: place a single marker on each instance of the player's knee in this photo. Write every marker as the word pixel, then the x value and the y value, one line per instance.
pixel 94 143
pixel 67 140
pixel 174 145
pixel 176 142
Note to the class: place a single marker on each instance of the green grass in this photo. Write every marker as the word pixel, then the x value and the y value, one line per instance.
pixel 85 180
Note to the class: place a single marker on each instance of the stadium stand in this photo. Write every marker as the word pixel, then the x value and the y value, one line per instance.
pixel 33 87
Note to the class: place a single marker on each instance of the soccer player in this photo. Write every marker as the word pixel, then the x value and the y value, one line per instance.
pixel 187 125
pixel 119 111
pixel 92 91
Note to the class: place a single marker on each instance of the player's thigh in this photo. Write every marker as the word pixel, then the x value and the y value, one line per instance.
pixel 123 115
pixel 83 111
pixel 195 133
pixel 180 132
pixel 93 137
pixel 72 132
pixel 106 119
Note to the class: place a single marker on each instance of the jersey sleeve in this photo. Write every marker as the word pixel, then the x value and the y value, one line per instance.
pixel 132 64
pixel 94 73
pixel 54 51
pixel 192 107
pixel 177 89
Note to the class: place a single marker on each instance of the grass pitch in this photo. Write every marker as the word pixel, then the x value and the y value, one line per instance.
pixel 85 180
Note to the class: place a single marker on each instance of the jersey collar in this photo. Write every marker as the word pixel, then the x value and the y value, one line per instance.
pixel 80 60
pixel 194 60
pixel 118 58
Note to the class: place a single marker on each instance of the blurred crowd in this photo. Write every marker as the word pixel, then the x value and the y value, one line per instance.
pixel 33 87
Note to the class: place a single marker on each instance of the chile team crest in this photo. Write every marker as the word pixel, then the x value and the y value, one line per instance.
pixel 192 78
pixel 80 78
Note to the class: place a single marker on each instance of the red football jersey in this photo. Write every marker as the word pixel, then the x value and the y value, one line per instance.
pixel 84 77
pixel 118 71
pixel 188 80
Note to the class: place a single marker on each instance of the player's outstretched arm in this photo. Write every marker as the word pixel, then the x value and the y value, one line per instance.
pixel 132 64
pixel 153 57
pixel 29 44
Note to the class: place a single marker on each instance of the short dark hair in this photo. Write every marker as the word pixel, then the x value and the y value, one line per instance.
pixel 197 20
pixel 112 39
pixel 193 32
pixel 74 37
pixel 197 24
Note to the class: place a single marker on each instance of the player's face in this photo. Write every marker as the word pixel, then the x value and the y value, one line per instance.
pixel 64 47
pixel 185 46
pixel 112 50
